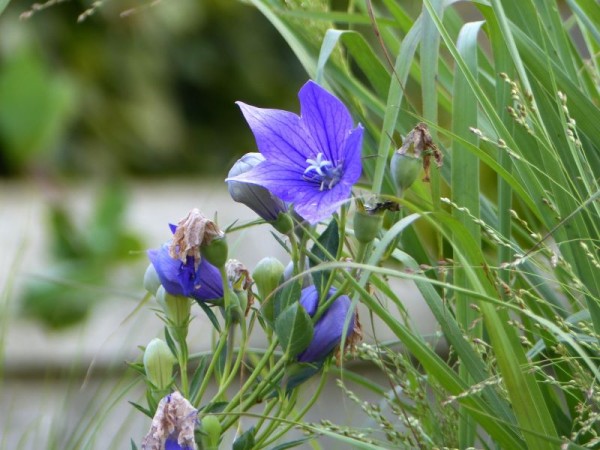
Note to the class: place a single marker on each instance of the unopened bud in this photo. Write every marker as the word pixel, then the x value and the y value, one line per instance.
pixel 416 152
pixel 405 171
pixel 267 275
pixel 151 280
pixel 158 364
pixel 257 198
pixel 211 432
pixel 367 225
pixel 215 251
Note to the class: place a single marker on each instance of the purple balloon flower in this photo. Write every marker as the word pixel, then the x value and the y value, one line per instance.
pixel 329 328
pixel 201 283
pixel 311 160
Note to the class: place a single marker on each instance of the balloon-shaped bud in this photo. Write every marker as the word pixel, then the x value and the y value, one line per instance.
pixel 158 364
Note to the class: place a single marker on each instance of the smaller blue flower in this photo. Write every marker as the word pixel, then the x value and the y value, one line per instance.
pixel 202 283
pixel 329 328
pixel 172 444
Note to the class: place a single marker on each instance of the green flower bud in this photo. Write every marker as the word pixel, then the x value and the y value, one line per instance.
pixel 416 153
pixel 215 251
pixel 151 280
pixel 158 364
pixel 367 225
pixel 405 170
pixel 267 275
pixel 176 308
pixel 211 432
pixel 284 223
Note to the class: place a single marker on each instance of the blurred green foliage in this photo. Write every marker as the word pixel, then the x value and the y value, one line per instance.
pixel 86 258
pixel 149 92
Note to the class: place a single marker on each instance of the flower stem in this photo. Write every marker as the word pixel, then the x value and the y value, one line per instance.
pixel 180 335
pixel 300 414
pixel 238 362
pixel 210 369
pixel 256 391
pixel 285 409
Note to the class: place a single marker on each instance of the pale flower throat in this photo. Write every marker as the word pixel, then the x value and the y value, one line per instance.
pixel 323 172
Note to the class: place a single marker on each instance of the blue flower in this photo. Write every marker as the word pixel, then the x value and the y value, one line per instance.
pixel 172 444
pixel 311 160
pixel 255 197
pixel 201 283
pixel 329 328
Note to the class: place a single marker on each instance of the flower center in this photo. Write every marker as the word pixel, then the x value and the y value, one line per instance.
pixel 323 172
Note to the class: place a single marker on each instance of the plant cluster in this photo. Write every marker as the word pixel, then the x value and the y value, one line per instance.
pixel 470 170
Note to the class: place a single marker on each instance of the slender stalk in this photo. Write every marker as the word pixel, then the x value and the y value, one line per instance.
pixel 182 360
pixel 283 411
pixel 302 412
pixel 238 361
pixel 211 367
pixel 267 380
pixel 266 412
pixel 254 375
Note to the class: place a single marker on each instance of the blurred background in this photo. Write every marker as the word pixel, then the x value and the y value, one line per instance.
pixel 136 92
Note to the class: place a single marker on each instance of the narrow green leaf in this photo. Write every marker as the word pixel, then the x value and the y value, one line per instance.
pixel 465 193
pixel 588 13
pixel 526 397
pixel 170 342
pixel 362 54
pixel 302 53
pixel 328 243
pixel 140 408
pixel 198 376
pixel 395 96
pixel 211 315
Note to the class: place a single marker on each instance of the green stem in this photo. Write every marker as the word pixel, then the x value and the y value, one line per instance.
pixel 303 411
pixel 282 411
pixel 254 375
pixel 256 391
pixel 211 368
pixel 182 360
pixel 267 411
pixel 238 362
pixel 180 335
